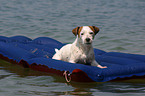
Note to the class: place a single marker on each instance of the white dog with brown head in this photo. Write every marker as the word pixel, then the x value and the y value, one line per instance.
pixel 81 50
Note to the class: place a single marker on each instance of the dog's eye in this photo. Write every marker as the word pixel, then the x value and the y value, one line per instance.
pixel 82 33
pixel 91 32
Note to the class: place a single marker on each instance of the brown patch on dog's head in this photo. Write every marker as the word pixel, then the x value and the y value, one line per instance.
pixel 94 29
pixel 76 31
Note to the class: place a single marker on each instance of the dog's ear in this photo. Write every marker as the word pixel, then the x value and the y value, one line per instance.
pixel 94 29
pixel 75 31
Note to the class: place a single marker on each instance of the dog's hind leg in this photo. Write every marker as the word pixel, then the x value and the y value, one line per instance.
pixel 72 61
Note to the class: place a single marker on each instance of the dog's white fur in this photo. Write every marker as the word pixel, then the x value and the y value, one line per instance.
pixel 81 50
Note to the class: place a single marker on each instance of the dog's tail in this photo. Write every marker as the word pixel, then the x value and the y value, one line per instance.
pixel 56 55
pixel 56 50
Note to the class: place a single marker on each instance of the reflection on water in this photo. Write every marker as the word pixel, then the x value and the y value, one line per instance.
pixel 22 81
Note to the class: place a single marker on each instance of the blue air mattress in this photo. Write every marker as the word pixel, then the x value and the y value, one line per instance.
pixel 36 54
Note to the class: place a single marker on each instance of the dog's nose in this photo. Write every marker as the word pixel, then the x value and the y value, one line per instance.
pixel 88 39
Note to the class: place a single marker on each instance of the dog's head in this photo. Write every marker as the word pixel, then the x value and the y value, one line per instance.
pixel 86 33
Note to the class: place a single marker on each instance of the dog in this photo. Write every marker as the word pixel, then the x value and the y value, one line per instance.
pixel 81 50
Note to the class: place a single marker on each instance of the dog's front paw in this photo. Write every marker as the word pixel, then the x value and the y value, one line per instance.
pixel 102 66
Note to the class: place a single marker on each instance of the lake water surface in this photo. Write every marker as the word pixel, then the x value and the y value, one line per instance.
pixel 122 29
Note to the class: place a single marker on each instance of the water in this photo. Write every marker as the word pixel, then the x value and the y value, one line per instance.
pixel 122 29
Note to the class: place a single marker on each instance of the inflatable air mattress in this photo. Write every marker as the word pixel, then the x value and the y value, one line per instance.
pixel 36 54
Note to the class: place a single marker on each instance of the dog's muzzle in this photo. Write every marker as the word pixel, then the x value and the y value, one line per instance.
pixel 88 41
